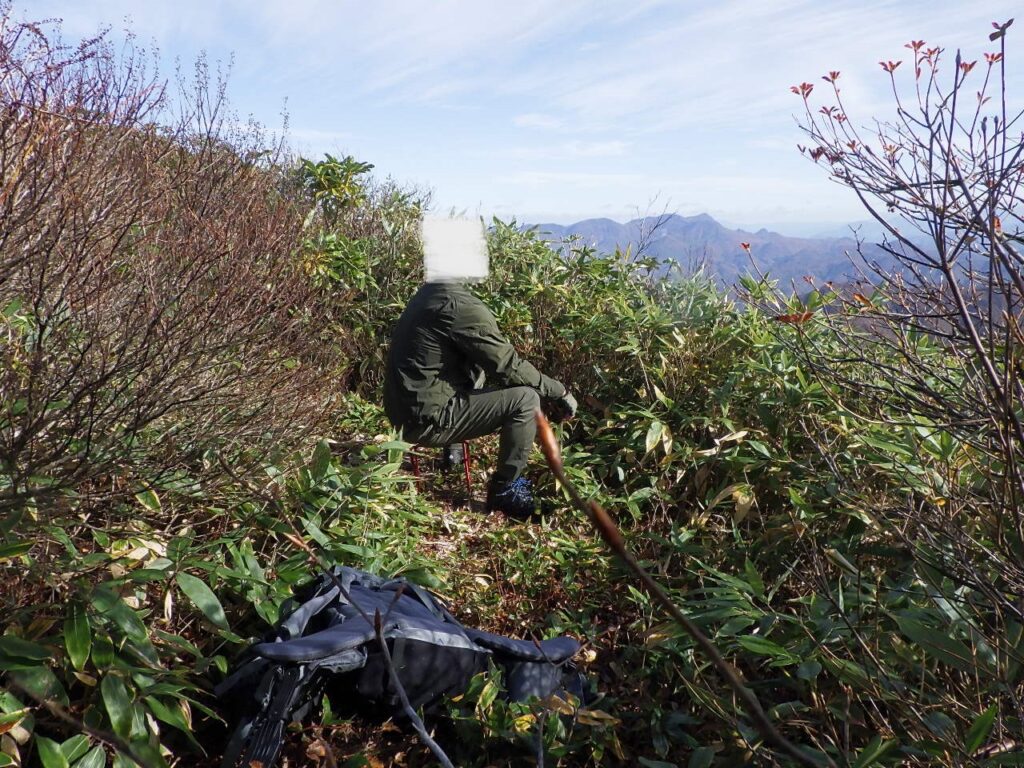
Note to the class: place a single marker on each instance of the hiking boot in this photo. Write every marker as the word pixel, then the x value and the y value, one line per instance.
pixel 513 497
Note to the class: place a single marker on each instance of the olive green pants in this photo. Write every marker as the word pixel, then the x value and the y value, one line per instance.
pixel 482 412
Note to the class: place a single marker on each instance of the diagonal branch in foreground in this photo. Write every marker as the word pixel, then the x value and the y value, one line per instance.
pixel 608 531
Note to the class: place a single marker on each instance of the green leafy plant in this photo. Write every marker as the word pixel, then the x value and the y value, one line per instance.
pixel 847 544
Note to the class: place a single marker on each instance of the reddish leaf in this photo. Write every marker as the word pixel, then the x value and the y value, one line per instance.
pixel 1000 29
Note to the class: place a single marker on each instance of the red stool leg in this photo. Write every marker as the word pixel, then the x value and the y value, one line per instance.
pixel 465 466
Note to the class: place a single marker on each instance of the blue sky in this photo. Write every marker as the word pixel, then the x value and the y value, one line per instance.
pixel 558 110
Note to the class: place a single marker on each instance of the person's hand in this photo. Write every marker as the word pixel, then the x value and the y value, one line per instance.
pixel 563 408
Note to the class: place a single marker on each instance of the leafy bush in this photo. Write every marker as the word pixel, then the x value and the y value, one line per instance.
pixel 802 515
pixel 363 255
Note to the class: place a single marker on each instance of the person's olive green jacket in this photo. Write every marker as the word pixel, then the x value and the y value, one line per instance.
pixel 443 337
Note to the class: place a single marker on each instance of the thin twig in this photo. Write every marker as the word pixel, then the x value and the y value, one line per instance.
pixel 377 623
pixel 417 723
pixel 106 737
pixel 540 738
pixel 608 531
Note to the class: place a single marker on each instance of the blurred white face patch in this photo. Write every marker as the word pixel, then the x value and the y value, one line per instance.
pixel 454 249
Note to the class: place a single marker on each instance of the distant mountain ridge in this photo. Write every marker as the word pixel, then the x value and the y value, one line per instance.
pixel 694 241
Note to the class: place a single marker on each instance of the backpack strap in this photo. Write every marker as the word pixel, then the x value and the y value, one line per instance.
pixel 324 647
pixel 258 740
pixel 421 595
pixel 295 625
pixel 556 650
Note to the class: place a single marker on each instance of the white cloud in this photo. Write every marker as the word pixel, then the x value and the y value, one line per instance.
pixel 734 62
pixel 511 104
pixel 596 148
pixel 670 65
pixel 771 143
pixel 569 150
pixel 569 178
pixel 314 134
pixel 537 120
pixel 196 21
pixel 405 44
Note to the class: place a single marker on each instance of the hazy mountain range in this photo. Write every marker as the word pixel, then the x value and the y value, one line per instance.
pixel 694 241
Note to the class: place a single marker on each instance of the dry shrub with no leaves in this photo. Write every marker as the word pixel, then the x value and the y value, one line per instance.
pixel 153 310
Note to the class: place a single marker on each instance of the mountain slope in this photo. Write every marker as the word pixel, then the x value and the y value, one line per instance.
pixel 693 241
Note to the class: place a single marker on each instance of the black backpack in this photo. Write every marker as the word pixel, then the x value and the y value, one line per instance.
pixel 328 645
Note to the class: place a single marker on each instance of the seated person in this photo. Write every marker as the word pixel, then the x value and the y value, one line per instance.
pixel 444 340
